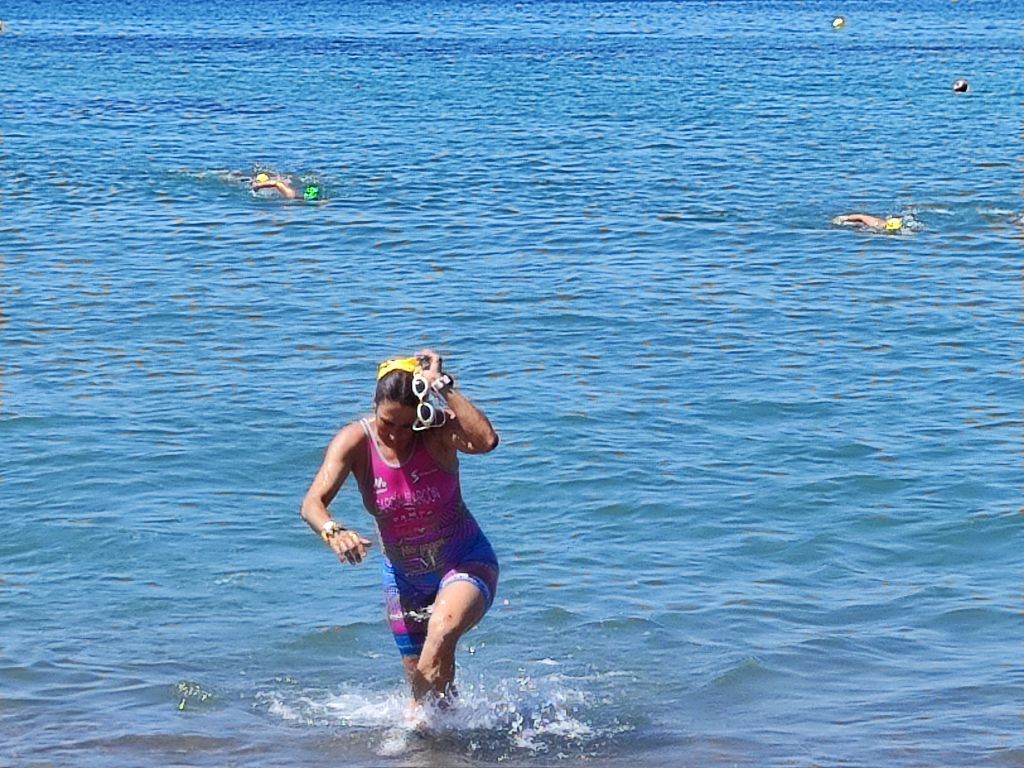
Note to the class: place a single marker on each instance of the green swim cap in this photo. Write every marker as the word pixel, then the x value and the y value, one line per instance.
pixel 312 192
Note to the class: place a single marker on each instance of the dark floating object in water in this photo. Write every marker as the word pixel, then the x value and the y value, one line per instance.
pixel 961 86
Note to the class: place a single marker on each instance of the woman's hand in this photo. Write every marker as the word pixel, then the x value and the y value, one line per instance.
pixel 430 365
pixel 349 546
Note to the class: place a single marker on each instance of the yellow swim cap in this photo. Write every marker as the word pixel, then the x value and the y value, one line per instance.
pixel 893 224
pixel 407 364
pixel 262 178
pixel 837 22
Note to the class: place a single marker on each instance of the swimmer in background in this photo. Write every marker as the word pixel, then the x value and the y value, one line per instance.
pixel 262 181
pixel 888 224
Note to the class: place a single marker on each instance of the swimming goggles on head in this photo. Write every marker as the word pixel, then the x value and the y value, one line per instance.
pixel 427 414
pixel 407 364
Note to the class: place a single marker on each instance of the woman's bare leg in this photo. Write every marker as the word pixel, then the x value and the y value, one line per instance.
pixel 457 609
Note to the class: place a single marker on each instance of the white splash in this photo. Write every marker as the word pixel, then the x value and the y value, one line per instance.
pixel 505 716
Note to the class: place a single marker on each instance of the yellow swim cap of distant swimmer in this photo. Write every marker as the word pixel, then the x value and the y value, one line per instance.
pixel 893 224
pixel 262 178
pixel 407 364
pixel 838 22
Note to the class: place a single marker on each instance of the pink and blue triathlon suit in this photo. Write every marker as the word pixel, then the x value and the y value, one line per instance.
pixel 428 535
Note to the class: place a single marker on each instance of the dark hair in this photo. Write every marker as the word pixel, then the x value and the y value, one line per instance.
pixel 396 387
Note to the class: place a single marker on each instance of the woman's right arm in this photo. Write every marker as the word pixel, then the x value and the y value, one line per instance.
pixel 337 465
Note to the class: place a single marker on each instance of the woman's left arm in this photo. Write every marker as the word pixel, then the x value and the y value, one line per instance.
pixel 467 430
pixel 470 430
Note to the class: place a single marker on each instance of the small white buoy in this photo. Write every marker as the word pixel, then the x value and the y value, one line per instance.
pixel 838 22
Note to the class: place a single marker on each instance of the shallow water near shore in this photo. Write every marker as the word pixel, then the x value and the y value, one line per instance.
pixel 758 497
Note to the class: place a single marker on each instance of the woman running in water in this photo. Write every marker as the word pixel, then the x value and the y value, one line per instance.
pixel 440 573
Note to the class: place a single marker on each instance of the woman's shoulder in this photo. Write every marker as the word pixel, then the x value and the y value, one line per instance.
pixel 351 435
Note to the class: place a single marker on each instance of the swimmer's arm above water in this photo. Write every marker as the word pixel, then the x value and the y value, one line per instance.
pixel 860 218
pixel 337 465
pixel 281 186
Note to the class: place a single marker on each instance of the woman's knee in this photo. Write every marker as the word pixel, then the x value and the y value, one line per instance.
pixel 457 610
pixel 444 629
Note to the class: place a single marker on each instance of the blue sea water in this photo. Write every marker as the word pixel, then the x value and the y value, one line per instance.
pixel 758 497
